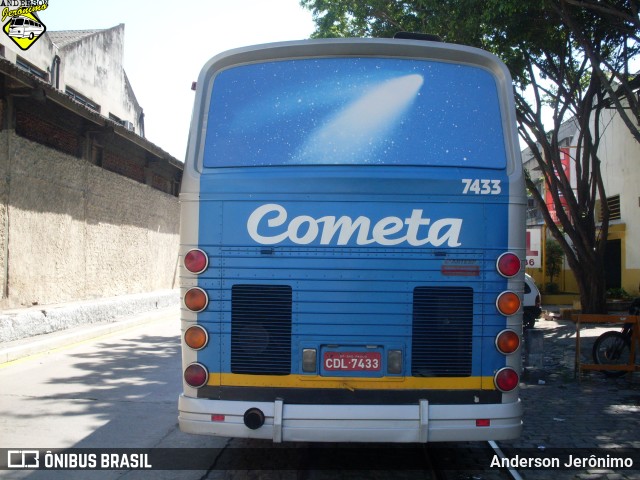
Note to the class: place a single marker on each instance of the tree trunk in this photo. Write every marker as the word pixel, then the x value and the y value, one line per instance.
pixel 591 284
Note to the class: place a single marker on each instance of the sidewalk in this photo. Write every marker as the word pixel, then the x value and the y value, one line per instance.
pixel 29 331
pixel 560 411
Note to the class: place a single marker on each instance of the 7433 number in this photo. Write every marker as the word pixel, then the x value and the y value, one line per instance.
pixel 481 186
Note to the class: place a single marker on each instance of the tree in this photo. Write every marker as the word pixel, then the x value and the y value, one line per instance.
pixel 553 259
pixel 567 57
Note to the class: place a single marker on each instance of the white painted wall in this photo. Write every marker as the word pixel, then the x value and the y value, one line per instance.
pixel 620 155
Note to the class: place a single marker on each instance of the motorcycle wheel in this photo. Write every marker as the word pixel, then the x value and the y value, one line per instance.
pixel 612 348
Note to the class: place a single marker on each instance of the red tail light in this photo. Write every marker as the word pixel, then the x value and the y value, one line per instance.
pixel 508 264
pixel 196 261
pixel 506 379
pixel 196 375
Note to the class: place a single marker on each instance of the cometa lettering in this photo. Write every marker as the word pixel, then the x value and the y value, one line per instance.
pixel 268 225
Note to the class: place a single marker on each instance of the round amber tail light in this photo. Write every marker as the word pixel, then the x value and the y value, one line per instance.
pixel 196 299
pixel 196 337
pixel 508 303
pixel 507 342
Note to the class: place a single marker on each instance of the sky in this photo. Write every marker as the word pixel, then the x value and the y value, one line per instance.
pixel 168 42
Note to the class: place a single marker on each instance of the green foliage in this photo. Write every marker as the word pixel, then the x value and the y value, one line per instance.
pixel 618 294
pixel 554 256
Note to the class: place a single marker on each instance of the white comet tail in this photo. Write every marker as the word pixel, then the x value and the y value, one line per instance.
pixel 355 131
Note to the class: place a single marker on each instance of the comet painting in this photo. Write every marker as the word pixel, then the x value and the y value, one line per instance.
pixel 354 111
pixel 354 132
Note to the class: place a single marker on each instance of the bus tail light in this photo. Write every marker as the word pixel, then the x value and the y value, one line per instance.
pixel 507 342
pixel 196 375
pixel 196 261
pixel 196 337
pixel 508 264
pixel 508 303
pixel 196 299
pixel 506 379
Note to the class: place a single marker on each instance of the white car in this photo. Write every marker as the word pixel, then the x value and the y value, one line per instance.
pixel 531 302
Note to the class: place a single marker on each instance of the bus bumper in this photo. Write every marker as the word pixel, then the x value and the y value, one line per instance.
pixel 418 423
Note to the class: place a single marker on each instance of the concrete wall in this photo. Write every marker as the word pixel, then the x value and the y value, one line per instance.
pixel 70 230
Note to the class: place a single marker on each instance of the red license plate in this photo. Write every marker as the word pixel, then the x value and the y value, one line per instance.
pixel 352 361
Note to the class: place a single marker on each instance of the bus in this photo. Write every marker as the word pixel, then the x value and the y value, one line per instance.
pixel 352 238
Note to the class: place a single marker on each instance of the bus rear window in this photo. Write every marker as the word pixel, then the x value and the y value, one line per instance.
pixel 354 111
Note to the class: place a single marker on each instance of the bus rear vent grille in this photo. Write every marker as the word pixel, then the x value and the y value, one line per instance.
pixel 442 331
pixel 261 329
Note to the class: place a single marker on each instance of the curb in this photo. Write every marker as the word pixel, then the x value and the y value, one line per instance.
pixel 32 331
pixel 18 349
pixel 30 322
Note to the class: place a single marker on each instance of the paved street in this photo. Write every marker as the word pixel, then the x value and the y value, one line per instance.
pixel 117 391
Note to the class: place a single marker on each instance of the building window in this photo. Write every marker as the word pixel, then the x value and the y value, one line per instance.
pixel 32 69
pixel 613 203
pixel 125 123
pixel 614 207
pixel 115 118
pixel 78 97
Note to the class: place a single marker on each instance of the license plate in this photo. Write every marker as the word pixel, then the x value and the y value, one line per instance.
pixel 352 361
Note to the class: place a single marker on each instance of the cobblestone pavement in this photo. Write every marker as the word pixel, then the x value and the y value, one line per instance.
pixel 587 414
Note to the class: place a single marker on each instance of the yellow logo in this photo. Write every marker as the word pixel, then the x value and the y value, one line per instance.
pixel 24 28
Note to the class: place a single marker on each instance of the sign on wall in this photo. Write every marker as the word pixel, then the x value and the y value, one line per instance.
pixel 534 248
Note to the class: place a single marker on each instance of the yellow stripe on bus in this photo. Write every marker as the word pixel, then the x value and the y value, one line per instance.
pixel 384 383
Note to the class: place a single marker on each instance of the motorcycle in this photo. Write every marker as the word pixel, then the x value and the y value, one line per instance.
pixel 614 347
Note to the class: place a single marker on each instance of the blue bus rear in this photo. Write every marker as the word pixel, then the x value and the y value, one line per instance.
pixel 352 235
